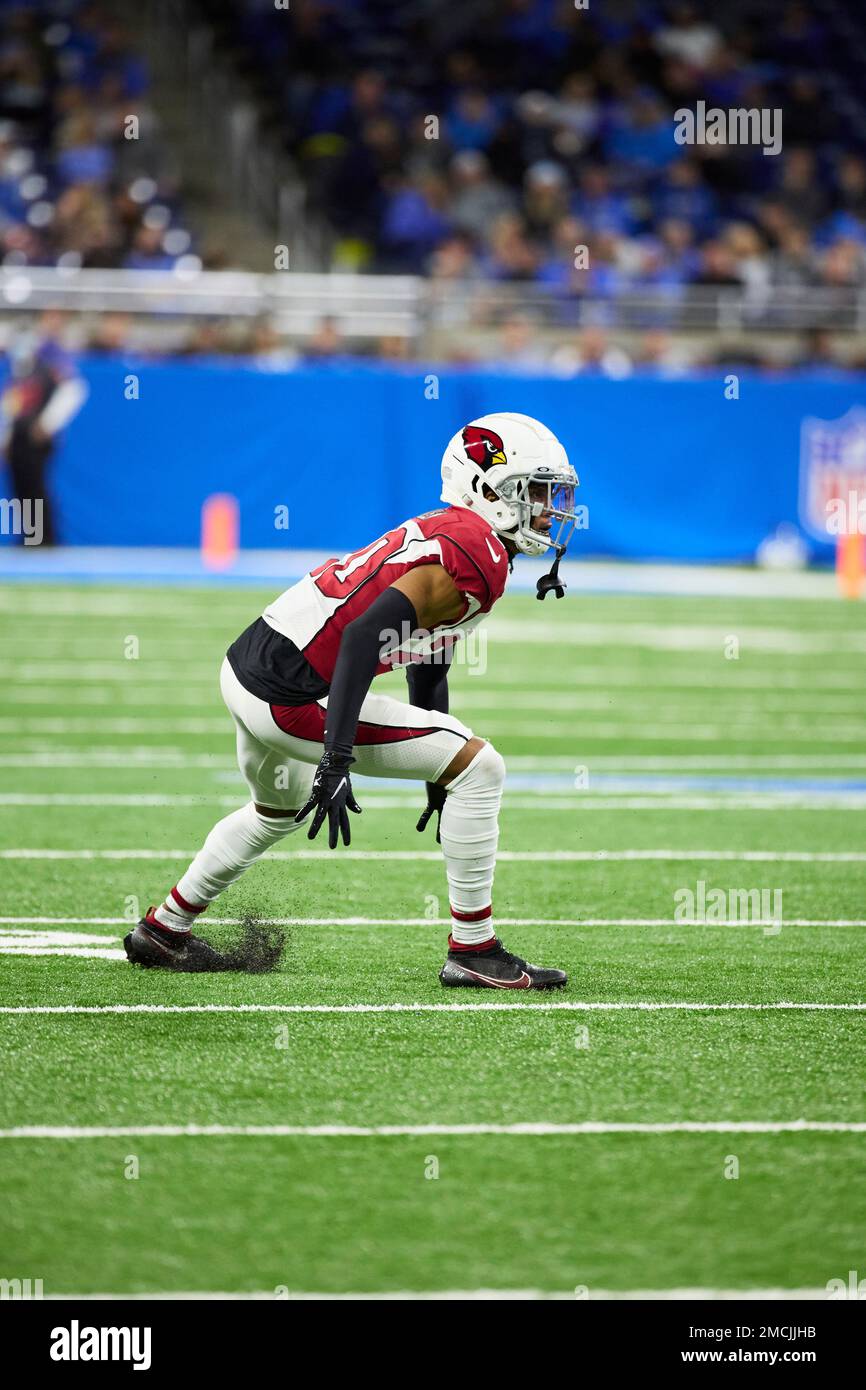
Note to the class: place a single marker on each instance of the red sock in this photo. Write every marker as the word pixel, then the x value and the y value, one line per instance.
pixel 476 950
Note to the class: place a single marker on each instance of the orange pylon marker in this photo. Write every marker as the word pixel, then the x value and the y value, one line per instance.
pixel 220 531
pixel 851 564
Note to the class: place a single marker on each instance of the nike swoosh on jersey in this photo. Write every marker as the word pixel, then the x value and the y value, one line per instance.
pixel 497 554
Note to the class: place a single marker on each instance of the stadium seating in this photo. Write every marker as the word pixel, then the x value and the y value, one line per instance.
pixel 84 179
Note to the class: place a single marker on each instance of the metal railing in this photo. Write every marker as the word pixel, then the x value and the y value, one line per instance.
pixel 371 306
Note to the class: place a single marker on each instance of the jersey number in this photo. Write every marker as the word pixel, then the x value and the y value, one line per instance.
pixel 340 578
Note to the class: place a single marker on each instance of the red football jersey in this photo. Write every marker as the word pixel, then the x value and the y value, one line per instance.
pixel 314 612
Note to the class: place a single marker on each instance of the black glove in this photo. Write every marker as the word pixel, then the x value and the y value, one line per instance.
pixel 435 801
pixel 331 794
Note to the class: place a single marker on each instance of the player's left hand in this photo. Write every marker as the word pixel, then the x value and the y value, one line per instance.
pixel 435 802
pixel 331 794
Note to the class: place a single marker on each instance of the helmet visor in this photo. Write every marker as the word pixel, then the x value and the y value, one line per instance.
pixel 551 511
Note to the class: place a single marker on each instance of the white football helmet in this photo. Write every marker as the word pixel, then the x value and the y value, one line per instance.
pixel 526 468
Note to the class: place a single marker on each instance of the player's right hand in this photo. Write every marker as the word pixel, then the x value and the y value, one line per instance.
pixel 330 795
pixel 435 802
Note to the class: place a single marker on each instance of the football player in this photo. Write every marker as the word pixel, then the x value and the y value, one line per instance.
pixel 297 684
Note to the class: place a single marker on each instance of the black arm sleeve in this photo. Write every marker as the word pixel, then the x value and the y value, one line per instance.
pixel 428 682
pixel 361 648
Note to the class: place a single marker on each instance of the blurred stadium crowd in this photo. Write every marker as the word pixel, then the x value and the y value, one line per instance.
pixel 481 141
pixel 79 184
pixel 516 346
pixel 553 128
pixel 480 146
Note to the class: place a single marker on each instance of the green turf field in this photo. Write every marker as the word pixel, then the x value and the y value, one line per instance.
pixel 652 743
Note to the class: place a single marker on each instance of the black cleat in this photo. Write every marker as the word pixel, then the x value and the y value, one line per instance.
pixel 157 947
pixel 496 968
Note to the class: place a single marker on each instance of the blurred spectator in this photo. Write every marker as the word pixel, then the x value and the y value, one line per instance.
pixel 325 344
pixel 659 352
pixel 717 265
pixel 850 194
pixel 207 338
pixel 689 38
pixel 593 352
pixel 598 205
pixel 44 395
pixel 510 254
pixel 148 252
pixel 792 266
pixel 842 265
pixel 413 224
pixel 818 350
pixel 681 193
pixel 478 198
pixel 518 349
pixel 799 189
pixel 545 198
pixel 454 262
pixel 472 119
pixel 110 338
pixel 266 349
pixel 641 138
pixel 748 255
pixel 394 347
pixel 736 354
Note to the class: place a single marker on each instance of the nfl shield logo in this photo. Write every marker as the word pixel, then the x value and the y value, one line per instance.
pixel 833 475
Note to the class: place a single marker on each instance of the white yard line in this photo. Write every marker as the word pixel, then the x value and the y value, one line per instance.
pixel 669 678
pixel 629 703
pixel 541 800
pixel 445 922
pixel 94 757
pixel 672 637
pixel 593 1295
pixel 120 672
pixel 32 725
pixel 563 856
pixel 682 636
pixel 806 730
pixel 18 935
pixel 500 1006
pixel 530 1129
pixel 602 636
pixel 99 759
pixel 19 942
pixel 89 952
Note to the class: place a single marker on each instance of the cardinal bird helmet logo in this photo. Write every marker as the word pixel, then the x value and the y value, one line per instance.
pixel 484 447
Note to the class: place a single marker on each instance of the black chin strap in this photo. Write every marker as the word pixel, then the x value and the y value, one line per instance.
pixel 552 581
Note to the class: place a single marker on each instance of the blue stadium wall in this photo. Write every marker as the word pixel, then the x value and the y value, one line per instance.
pixel 669 468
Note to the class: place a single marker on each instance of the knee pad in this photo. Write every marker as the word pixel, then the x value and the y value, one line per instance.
pixel 486 773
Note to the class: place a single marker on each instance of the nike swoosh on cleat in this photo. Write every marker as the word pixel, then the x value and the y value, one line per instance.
pixel 523 983
pixel 164 946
